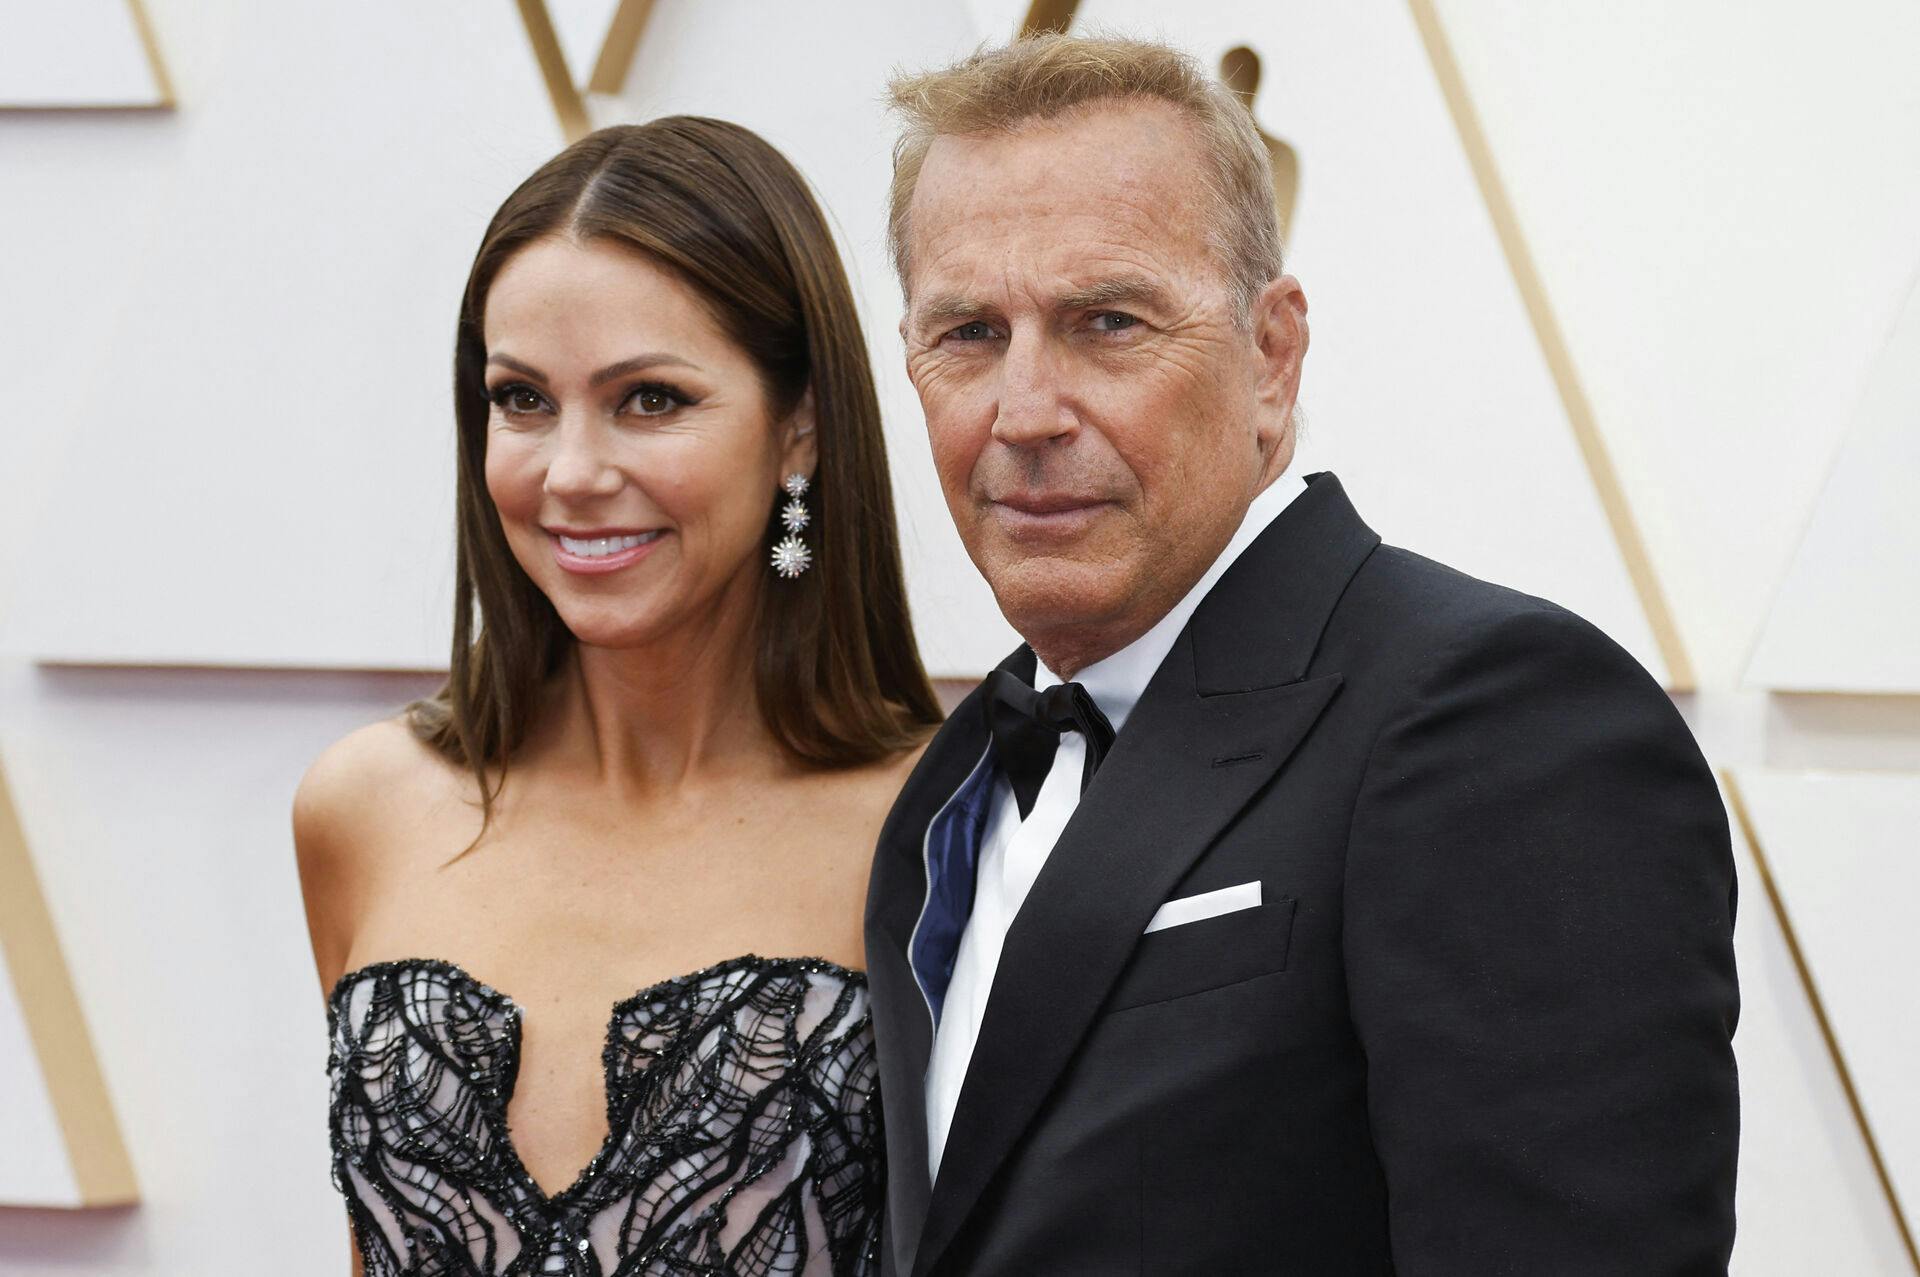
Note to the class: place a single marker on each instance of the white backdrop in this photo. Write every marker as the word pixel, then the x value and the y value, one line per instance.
pixel 226 331
pixel 319 466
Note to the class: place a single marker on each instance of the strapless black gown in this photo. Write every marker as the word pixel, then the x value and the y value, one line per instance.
pixel 743 1128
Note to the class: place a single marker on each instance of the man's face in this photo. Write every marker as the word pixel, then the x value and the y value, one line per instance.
pixel 1099 419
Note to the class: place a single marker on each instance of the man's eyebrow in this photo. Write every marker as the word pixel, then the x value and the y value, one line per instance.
pixel 1122 290
pixel 948 308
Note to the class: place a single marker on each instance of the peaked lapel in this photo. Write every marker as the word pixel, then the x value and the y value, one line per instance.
pixel 1222 714
pixel 903 1026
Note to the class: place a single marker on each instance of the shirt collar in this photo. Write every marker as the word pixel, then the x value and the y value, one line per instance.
pixel 1116 682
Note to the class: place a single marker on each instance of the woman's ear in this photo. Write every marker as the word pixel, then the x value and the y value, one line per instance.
pixel 800 445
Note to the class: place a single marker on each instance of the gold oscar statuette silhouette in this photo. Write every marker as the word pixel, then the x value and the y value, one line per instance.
pixel 1240 71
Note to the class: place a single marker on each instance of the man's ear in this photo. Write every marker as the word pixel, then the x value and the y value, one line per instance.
pixel 1279 322
pixel 800 445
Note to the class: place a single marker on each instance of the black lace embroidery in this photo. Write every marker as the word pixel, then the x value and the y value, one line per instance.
pixel 743 1136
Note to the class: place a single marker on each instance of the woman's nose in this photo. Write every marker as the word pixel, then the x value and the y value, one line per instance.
pixel 581 464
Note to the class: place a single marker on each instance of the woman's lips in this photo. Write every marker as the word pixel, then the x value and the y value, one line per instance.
pixel 594 555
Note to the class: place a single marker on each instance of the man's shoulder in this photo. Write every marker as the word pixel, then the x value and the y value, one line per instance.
pixel 1394 576
pixel 1406 605
pixel 1490 670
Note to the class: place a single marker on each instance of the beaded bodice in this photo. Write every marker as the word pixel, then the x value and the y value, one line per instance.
pixel 743 1132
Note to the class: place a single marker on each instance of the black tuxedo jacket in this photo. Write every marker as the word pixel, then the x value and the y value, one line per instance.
pixel 1481 1023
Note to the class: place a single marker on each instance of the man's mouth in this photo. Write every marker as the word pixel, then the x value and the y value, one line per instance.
pixel 1041 504
pixel 1047 518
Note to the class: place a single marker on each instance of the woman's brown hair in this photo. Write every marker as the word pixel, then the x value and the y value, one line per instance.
pixel 837 676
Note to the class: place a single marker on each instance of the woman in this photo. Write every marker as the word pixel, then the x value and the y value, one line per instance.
pixel 683 695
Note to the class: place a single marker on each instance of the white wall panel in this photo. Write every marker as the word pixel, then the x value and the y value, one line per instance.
pixel 34 1170
pixel 1845 853
pixel 225 334
pixel 256 462
pixel 76 53
pixel 1425 378
pixel 157 808
pixel 1807 1200
pixel 1847 617
pixel 581 27
pixel 1721 196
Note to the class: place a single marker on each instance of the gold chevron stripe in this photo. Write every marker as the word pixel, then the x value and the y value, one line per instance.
pixel 621 43
pixel 162 82
pixel 1737 801
pixel 101 1168
pixel 1553 345
pixel 1057 15
pixel 568 106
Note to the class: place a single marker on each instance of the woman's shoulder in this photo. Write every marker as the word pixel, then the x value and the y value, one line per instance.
pixel 365 775
pixel 870 788
pixel 364 800
pixel 898 767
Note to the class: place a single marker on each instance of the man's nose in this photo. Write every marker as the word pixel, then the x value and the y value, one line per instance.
pixel 1033 406
pixel 581 465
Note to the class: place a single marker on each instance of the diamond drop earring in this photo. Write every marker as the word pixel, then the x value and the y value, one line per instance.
pixel 791 556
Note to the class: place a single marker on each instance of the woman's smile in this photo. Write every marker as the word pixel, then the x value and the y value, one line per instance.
pixel 593 553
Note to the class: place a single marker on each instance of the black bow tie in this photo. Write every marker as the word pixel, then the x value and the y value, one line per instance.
pixel 1026 727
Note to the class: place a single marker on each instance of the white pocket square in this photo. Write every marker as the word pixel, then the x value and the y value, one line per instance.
pixel 1208 904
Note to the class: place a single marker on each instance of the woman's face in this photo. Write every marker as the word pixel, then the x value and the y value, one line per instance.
pixel 629 449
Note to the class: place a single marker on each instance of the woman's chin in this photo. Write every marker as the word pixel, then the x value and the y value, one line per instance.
pixel 595 627
pixel 652 609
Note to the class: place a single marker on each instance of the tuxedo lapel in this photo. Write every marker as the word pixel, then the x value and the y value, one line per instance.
pixel 903 1025
pixel 1158 801
pixel 1220 717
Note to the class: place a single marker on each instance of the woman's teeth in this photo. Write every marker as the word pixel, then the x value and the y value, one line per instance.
pixel 599 547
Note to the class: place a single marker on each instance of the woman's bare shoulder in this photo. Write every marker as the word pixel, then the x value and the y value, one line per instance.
pixel 358 801
pixel 368 773
pixel 901 765
pixel 875 785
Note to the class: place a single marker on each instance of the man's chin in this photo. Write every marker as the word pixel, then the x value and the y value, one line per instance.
pixel 1041 594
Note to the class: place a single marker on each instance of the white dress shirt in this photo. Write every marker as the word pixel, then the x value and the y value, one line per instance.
pixel 1013 851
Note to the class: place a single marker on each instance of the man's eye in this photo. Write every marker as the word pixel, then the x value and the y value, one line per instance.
pixel 977 330
pixel 1113 321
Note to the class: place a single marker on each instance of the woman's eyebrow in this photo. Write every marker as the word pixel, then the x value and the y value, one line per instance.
pixel 652 359
pixel 508 361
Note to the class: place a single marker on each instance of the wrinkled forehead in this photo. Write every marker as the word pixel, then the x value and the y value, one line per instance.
pixel 1053 202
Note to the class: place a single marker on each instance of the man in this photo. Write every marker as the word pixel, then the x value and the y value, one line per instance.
pixel 1289 903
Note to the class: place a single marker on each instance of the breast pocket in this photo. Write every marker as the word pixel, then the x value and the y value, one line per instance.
pixel 1209 954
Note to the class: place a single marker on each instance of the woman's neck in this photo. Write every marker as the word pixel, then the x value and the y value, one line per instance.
pixel 671 714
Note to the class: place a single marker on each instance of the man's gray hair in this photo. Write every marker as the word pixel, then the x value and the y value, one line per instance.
pixel 1046 76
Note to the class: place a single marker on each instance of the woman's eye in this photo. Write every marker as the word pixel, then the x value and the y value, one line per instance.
pixel 517 399
pixel 1113 321
pixel 654 401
